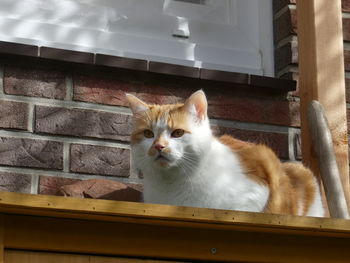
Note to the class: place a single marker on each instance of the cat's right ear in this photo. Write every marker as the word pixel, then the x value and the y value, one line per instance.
pixel 197 105
pixel 137 106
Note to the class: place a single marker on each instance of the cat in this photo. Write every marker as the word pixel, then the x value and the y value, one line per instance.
pixel 183 164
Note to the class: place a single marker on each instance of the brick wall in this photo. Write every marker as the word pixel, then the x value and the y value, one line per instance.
pixel 286 44
pixel 63 122
pixel 286 40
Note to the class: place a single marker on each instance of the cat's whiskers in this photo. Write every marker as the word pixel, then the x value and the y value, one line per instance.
pixel 142 161
pixel 185 168
pixel 190 159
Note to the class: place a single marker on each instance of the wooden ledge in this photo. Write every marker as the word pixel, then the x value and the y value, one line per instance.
pixel 154 214
pixel 49 224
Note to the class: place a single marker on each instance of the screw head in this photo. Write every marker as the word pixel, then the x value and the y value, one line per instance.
pixel 213 250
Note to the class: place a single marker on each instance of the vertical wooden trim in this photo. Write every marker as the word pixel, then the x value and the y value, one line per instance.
pixel 321 77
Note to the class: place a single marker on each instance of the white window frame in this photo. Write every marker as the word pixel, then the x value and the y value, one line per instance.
pixel 95 26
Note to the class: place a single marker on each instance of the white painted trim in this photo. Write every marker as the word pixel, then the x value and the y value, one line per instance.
pixel 112 35
pixel 266 37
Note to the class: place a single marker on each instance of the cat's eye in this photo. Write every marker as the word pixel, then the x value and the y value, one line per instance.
pixel 177 133
pixel 148 133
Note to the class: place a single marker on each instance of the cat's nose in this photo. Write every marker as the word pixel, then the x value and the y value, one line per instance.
pixel 159 147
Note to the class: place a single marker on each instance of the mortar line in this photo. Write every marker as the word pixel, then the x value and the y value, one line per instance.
pixel 286 40
pixel 279 13
pixel 291 145
pixel 346 45
pixel 345 15
pixel 262 127
pixel 293 68
pixel 62 174
pixel 68 104
pixel 27 135
pixel 34 188
pixel 69 88
pixel 31 118
pixel 66 157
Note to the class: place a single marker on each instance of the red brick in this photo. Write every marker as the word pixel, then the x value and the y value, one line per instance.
pixel 225 104
pixel 286 55
pixel 260 110
pixel 100 160
pixel 279 4
pixel 346 29
pixel 112 91
pixel 31 153
pixel 159 94
pixel 13 115
pixel 12 182
pixel 103 189
pixel 101 90
pixel 285 25
pixel 345 5
pixel 34 82
pixel 86 123
pixel 347 59
pixel 277 141
pixel 51 185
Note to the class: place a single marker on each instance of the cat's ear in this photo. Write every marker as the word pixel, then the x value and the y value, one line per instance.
pixel 197 105
pixel 137 106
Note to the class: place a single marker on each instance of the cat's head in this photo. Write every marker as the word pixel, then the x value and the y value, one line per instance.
pixel 172 135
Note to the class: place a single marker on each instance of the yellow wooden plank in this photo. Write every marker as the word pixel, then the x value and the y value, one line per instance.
pixel 18 256
pixel 106 210
pixel 100 259
pixel 321 77
pixel 22 256
pixel 168 242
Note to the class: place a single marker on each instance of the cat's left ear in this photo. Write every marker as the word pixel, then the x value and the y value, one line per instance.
pixel 137 106
pixel 197 105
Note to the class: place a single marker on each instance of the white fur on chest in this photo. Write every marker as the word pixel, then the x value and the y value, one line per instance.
pixel 218 182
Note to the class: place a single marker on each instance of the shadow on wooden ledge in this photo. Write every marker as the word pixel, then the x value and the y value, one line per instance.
pixel 102 189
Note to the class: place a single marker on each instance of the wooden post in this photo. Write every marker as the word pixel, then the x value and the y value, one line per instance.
pixel 2 239
pixel 321 77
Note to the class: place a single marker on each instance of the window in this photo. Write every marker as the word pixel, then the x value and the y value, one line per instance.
pixel 231 35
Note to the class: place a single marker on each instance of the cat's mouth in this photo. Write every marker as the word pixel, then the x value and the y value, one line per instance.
pixel 162 158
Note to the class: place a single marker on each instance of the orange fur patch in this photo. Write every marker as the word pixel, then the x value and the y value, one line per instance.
pixel 174 115
pixel 302 182
pixel 289 183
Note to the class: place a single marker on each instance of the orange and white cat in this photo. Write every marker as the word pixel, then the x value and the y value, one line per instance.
pixel 184 164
